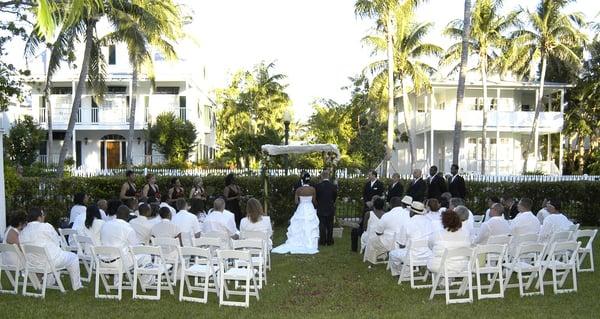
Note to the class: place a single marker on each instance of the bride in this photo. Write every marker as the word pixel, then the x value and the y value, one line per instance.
pixel 303 232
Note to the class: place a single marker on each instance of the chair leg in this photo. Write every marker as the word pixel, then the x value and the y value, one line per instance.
pixel 435 277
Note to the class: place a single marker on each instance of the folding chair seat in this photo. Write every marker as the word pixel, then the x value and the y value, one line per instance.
pixel 197 263
pixel 236 266
pixel 222 236
pixel 149 275
pixel 587 249
pixel 465 285
pixel 110 261
pixel 256 248
pixel 37 261
pixel 170 252
pixel 412 263
pixel 561 260
pixel 527 259
pixel 12 262
pixel 488 261
pixel 86 257
pixel 266 240
pixel 66 239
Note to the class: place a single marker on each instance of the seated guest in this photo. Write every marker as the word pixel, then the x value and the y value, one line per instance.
pixel 132 204
pixel 165 228
pixel 220 220
pixel 525 222
pixel 372 220
pixel 418 228
pixel 452 236
pixel 154 217
pixel 16 223
pixel 555 222
pixel 197 208
pixel 103 207
pixel 434 211
pixel 543 213
pixel 142 225
pixel 463 213
pixel 186 221
pixel 490 201
pixel 495 225
pixel 92 224
pixel 510 207
pixel 111 209
pixel 176 191
pixel 164 202
pixel 445 201
pixel 39 233
pixel 118 233
pixel 389 226
pixel 79 207
pixel 256 220
pixel 455 202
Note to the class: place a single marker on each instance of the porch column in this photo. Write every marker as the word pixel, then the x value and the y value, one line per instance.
pixel 497 130
pixel 560 153
pixel 425 146
pixel 74 149
pixel 432 147
pixel 2 194
pixel 548 151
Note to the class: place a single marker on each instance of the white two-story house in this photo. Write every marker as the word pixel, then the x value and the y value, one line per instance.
pixel 102 125
pixel 509 123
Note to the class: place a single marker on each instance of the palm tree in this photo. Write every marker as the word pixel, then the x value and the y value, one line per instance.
pixel 487 41
pixel 409 49
pixel 384 12
pixel 550 33
pixel 462 74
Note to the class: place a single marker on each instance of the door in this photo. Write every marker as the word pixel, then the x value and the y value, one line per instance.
pixel 113 154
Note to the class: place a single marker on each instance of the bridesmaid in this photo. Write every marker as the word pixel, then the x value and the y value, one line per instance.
pixel 199 192
pixel 128 189
pixel 151 190
pixel 176 191
pixel 233 193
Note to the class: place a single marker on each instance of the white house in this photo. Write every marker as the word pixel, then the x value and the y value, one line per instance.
pixel 510 120
pixel 102 125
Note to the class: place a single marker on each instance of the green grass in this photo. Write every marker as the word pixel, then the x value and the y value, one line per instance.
pixel 332 284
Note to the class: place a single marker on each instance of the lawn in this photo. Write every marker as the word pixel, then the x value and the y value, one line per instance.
pixel 332 284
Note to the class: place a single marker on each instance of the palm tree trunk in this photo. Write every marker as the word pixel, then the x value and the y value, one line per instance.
pixel 391 109
pixel 409 133
pixel 89 38
pixel 49 156
pixel 460 91
pixel 485 110
pixel 581 155
pixel 538 109
pixel 132 106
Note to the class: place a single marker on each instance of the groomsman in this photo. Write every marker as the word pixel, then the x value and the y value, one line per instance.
pixel 417 187
pixel 436 185
pixel 456 185
pixel 395 189
pixel 372 187
pixel 326 196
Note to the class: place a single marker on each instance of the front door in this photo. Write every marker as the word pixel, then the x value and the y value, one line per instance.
pixel 113 154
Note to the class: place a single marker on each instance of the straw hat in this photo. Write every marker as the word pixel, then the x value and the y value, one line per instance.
pixel 407 200
pixel 417 208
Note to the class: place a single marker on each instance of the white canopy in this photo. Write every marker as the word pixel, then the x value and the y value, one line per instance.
pixel 301 149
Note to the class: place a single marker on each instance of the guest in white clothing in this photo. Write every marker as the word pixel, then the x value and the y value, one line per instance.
pixel 543 213
pixel 39 233
pixel 165 228
pixel 118 233
pixel 452 236
pixel 555 222
pixel 112 207
pixel 390 225
pixel 495 225
pixel 256 220
pixel 197 208
pixel 463 214
pixel 11 236
pixel 79 208
pixel 373 218
pixel 92 224
pixel 490 201
pixel 470 221
pixel 154 217
pixel 142 225
pixel 103 207
pixel 164 202
pixel 434 213
pixel 186 221
pixel 220 221
pixel 525 222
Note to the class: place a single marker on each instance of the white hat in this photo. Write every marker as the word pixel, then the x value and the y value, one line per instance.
pixel 417 208
pixel 407 200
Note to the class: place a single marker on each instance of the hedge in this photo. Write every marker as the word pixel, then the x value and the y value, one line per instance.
pixel 56 195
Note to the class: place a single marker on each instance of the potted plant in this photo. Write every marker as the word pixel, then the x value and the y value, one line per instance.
pixel 337 228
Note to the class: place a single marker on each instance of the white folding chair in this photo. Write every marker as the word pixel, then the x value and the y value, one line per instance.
pixel 488 261
pixel 86 257
pixel 264 237
pixel 66 239
pixel 37 261
pixel 499 240
pixel 197 263
pixel 527 259
pixel 561 260
pixel 223 236
pixel 150 275
pixel 236 266
pixel 412 264
pixel 256 248
pixel 518 240
pixel 464 255
pixel 170 253
pixel 12 262
pixel 559 237
pixel 586 250
pixel 110 261
pixel 211 243
pixel 573 229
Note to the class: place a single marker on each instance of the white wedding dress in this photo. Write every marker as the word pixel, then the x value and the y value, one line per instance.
pixel 303 232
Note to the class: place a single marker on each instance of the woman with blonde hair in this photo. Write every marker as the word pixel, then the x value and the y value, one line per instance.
pixel 256 220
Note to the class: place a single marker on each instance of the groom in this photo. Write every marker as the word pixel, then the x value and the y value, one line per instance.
pixel 326 195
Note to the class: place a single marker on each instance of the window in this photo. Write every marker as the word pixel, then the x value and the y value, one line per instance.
pixel 494 104
pixel 167 90
pixel 62 90
pixel 526 108
pixel 112 54
pixel 146 107
pixel 116 89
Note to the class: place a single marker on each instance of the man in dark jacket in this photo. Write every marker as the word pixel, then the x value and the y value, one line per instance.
pixel 417 186
pixel 456 185
pixel 436 185
pixel 372 187
pixel 395 189
pixel 326 196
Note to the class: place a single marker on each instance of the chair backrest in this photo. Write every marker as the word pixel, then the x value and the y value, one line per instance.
pixel 215 234
pixel 586 233
pixel 254 246
pixel 36 257
pixel 195 255
pixel 64 232
pixel 531 252
pixel 11 249
pixel 490 250
pixel 499 240
pixel 458 253
pixel 253 234
pixel 145 250
pixel 560 236
pixel 108 257
pixel 564 249
pixel 84 243
pixel 524 239
pixel 167 244
pixel 574 227
pixel 242 255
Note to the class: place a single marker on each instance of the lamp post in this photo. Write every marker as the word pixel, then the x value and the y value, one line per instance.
pixel 287 119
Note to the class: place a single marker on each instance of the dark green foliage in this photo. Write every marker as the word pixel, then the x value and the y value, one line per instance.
pixel 22 144
pixel 172 136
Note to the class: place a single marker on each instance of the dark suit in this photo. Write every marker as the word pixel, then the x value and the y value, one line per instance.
pixel 416 190
pixel 457 187
pixel 326 196
pixel 370 191
pixel 395 191
pixel 436 186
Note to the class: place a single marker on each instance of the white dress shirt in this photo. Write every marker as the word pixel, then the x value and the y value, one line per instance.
pixel 220 222
pixel 118 233
pixel 494 226
pixel 542 214
pixel 42 234
pixel 76 211
pixel 142 226
pixel 165 228
pixel 262 225
pixel 418 228
pixel 552 224
pixel 187 223
pixel 524 223
pixel 443 240
pixel 390 226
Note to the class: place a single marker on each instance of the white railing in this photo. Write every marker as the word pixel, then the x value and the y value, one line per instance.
pixel 45 159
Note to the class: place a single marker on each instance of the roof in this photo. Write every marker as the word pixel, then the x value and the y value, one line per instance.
pixel 300 149
pixel 500 83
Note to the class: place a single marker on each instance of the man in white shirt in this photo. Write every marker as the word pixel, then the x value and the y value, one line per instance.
pixel 165 204
pixel 496 225
pixel 220 221
pixel 118 233
pixel 389 227
pixel 543 213
pixel 165 228
pixel 39 233
pixel 141 225
pixel 186 221
pixel 555 222
pixel 525 222
pixel 469 223
pixel 490 201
